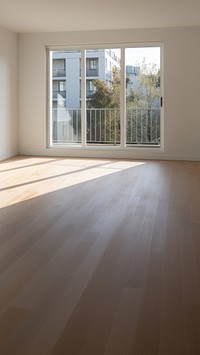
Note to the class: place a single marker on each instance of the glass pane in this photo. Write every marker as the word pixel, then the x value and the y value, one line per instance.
pixel 143 95
pixel 66 97
pixel 103 96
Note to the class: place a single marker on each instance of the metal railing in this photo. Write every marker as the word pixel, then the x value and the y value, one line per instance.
pixel 143 126
pixel 103 126
pixel 92 72
pixel 59 72
pixel 57 94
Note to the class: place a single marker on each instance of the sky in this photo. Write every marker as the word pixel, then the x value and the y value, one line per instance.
pixel 135 56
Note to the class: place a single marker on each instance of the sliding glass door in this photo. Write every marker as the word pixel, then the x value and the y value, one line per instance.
pixel 106 97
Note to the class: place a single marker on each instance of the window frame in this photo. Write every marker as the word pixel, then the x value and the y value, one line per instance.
pixel 122 146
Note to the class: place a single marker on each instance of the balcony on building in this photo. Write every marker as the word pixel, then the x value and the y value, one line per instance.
pixel 59 73
pixel 59 94
pixel 92 72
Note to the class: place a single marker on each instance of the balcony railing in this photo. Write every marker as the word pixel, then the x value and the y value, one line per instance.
pixel 143 126
pixel 103 126
pixel 58 94
pixel 89 92
pixel 92 72
pixel 59 72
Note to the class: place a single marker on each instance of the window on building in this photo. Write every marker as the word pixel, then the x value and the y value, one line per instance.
pixel 62 85
pixel 59 67
pixel 93 63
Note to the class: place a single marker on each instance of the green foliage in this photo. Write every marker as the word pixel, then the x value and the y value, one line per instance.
pixel 146 96
pixel 102 97
pixel 115 88
pixel 106 96
pixel 104 125
pixel 149 85
pixel 132 99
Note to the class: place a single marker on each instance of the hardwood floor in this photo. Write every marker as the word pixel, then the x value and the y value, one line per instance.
pixel 99 257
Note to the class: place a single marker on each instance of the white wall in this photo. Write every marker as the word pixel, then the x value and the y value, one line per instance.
pixel 181 90
pixel 8 94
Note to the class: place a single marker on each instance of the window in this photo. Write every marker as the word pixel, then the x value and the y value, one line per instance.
pixel 90 106
pixel 59 67
pixel 93 63
pixel 90 87
pixel 62 86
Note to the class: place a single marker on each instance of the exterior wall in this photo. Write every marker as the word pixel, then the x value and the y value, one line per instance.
pixel 8 94
pixel 181 90
pixel 73 82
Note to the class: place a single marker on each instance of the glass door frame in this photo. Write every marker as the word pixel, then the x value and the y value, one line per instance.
pixel 83 49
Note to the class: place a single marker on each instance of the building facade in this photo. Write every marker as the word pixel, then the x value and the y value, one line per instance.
pixel 66 74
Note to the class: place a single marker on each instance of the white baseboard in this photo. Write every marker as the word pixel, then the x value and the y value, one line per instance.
pixel 115 153
pixel 7 156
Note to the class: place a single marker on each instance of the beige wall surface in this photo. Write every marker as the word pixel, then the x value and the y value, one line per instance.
pixel 181 90
pixel 8 93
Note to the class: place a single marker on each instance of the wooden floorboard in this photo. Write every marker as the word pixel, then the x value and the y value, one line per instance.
pixel 99 257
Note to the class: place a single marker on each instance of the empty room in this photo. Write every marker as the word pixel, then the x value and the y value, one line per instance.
pixel 99 177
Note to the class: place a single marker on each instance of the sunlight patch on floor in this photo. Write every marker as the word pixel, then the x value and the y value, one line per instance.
pixel 25 178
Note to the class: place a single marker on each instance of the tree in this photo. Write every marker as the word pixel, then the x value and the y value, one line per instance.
pixel 132 99
pixel 145 96
pixel 115 88
pixel 142 102
pixel 149 87
pixel 106 101
pixel 149 90
pixel 106 96
pixel 102 96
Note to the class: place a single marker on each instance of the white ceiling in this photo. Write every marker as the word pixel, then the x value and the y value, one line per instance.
pixel 79 15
